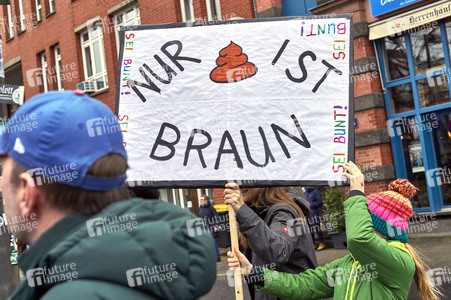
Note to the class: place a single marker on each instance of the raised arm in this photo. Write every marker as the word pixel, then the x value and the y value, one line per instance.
pixel 273 243
pixel 391 263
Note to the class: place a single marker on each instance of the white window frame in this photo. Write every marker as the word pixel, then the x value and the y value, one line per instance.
pixel 182 198
pixel 59 78
pixel 52 7
pixel 136 20
pixel 209 10
pixel 38 10
pixel 182 5
pixel 45 81
pixel 10 21
pixel 23 27
pixel 91 40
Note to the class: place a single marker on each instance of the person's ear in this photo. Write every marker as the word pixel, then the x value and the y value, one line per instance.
pixel 29 194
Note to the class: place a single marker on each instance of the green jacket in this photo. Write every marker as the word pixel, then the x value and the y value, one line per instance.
pixel 135 249
pixel 374 269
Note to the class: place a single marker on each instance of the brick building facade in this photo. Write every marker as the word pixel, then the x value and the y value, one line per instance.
pixel 77 41
pixel 402 94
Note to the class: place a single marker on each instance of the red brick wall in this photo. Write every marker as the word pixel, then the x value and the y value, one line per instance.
pixel 243 9
pixel 363 47
pixel 379 155
pixel 371 119
pixel 266 4
pixel 59 28
pixel 376 187
pixel 218 195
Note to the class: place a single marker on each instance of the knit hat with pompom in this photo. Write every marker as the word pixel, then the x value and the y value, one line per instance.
pixel 391 210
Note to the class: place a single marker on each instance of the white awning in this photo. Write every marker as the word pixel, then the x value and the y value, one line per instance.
pixel 411 19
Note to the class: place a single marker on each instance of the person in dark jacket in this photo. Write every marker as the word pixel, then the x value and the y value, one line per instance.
pixel 314 198
pixel 211 219
pixel 65 194
pixel 274 231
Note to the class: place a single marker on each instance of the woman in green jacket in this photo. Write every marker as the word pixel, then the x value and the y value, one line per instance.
pixel 380 263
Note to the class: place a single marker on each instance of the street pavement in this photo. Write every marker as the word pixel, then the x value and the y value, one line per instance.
pixel 436 250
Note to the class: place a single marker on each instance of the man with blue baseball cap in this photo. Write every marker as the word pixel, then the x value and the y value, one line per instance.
pixel 65 195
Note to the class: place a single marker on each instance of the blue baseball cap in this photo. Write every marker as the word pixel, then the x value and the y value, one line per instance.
pixel 58 135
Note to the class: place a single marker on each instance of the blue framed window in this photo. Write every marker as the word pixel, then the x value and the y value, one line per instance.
pixel 416 75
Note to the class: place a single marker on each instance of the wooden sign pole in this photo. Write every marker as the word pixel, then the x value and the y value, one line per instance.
pixel 234 242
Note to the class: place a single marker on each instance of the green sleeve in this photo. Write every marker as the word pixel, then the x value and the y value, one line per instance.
pixel 392 265
pixel 311 284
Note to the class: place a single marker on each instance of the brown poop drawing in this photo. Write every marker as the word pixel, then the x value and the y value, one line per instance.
pixel 232 65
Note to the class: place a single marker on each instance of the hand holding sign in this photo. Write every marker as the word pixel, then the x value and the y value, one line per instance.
pixel 355 176
pixel 232 196
pixel 238 260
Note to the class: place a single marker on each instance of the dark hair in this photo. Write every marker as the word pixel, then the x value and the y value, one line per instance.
pixel 146 193
pixel 78 200
pixel 205 197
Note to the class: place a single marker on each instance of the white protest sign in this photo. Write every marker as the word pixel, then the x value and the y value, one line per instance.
pixel 261 102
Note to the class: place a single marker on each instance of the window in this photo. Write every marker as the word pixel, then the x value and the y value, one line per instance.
pixel 59 76
pixel 127 17
pixel 396 57
pixel 52 6
pixel 38 10
pixel 415 70
pixel 187 10
pixel 213 10
pixel 94 55
pixel 10 22
pixel 415 67
pixel 23 27
pixel 427 50
pixel 44 72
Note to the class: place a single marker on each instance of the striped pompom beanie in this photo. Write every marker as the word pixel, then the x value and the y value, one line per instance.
pixel 391 210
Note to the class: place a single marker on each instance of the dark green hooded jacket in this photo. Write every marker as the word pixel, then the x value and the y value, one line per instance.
pixel 136 249
pixel 375 269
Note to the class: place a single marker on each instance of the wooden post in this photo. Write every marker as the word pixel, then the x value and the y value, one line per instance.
pixel 235 244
